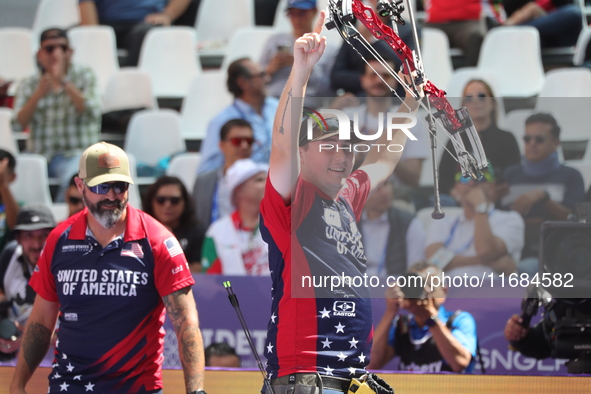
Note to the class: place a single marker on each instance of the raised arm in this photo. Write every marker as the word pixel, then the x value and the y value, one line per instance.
pixel 284 167
pixel 182 312
pixel 35 343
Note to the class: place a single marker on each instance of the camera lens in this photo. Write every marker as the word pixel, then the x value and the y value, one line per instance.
pixel 8 330
pixel 413 286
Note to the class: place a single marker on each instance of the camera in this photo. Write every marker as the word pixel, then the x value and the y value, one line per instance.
pixel 565 255
pixel 566 325
pixel 9 332
pixel 413 286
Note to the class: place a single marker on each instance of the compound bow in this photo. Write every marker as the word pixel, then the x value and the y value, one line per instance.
pixel 341 14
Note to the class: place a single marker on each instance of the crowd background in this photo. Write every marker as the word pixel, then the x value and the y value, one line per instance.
pixel 172 99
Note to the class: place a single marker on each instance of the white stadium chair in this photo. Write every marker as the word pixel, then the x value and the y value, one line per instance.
pixel 207 96
pixel 513 55
pixel 436 56
pixel 184 166
pixel 54 13
pixel 16 54
pixel 7 140
pixel 153 135
pixel 216 20
pixel 169 55
pixel 31 185
pixel 95 47
pixel 247 42
pixel 127 89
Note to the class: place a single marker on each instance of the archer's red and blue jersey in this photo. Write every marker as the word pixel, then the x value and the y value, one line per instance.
pixel 110 337
pixel 316 328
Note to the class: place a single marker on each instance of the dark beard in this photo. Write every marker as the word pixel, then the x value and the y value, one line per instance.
pixel 106 217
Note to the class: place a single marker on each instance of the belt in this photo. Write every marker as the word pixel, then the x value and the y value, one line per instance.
pixel 311 379
pixel 332 383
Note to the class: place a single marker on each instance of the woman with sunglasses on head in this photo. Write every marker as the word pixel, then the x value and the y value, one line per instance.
pixel 499 145
pixel 168 201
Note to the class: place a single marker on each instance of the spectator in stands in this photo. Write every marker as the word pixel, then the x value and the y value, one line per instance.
pixel 246 82
pixel 378 103
pixel 541 188
pixel 131 19
pixel 220 354
pixel 8 205
pixel 17 262
pixel 392 238
pixel 277 57
pixel 62 107
pixel 210 193
pixel 500 146
pixel 169 202
pixel 74 198
pixel 462 22
pixel 430 339
pixel 233 244
pixel 558 21
pixel 479 239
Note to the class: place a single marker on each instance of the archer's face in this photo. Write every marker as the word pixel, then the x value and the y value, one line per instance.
pixel 327 163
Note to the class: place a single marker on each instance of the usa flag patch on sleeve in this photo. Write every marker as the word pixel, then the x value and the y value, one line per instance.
pixel 173 246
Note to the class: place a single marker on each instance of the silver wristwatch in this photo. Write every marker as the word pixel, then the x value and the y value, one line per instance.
pixel 481 208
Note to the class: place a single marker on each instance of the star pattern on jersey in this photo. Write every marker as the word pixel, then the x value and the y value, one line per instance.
pixel 78 377
pixel 328 370
pixel 57 342
pixel 324 313
pixel 89 387
pixel 326 343
pixel 341 356
pixel 70 367
pixel 56 376
pixel 64 386
pixel 273 317
pixel 353 343
pixel 362 358
pixel 64 357
pixel 352 371
pixel 270 348
pixel 340 328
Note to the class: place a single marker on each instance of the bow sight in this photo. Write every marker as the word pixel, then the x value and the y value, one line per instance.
pixel 341 15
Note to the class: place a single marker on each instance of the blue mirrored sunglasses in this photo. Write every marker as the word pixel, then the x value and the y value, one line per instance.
pixel 103 188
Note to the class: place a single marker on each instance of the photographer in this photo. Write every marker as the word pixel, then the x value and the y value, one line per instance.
pixel 17 262
pixel 431 339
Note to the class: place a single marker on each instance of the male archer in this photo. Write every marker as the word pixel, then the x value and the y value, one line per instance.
pixel 317 337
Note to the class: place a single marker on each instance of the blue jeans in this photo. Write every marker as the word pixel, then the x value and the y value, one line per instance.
pixel 63 168
pixel 560 27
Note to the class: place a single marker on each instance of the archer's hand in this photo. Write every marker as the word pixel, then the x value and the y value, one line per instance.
pixel 308 49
